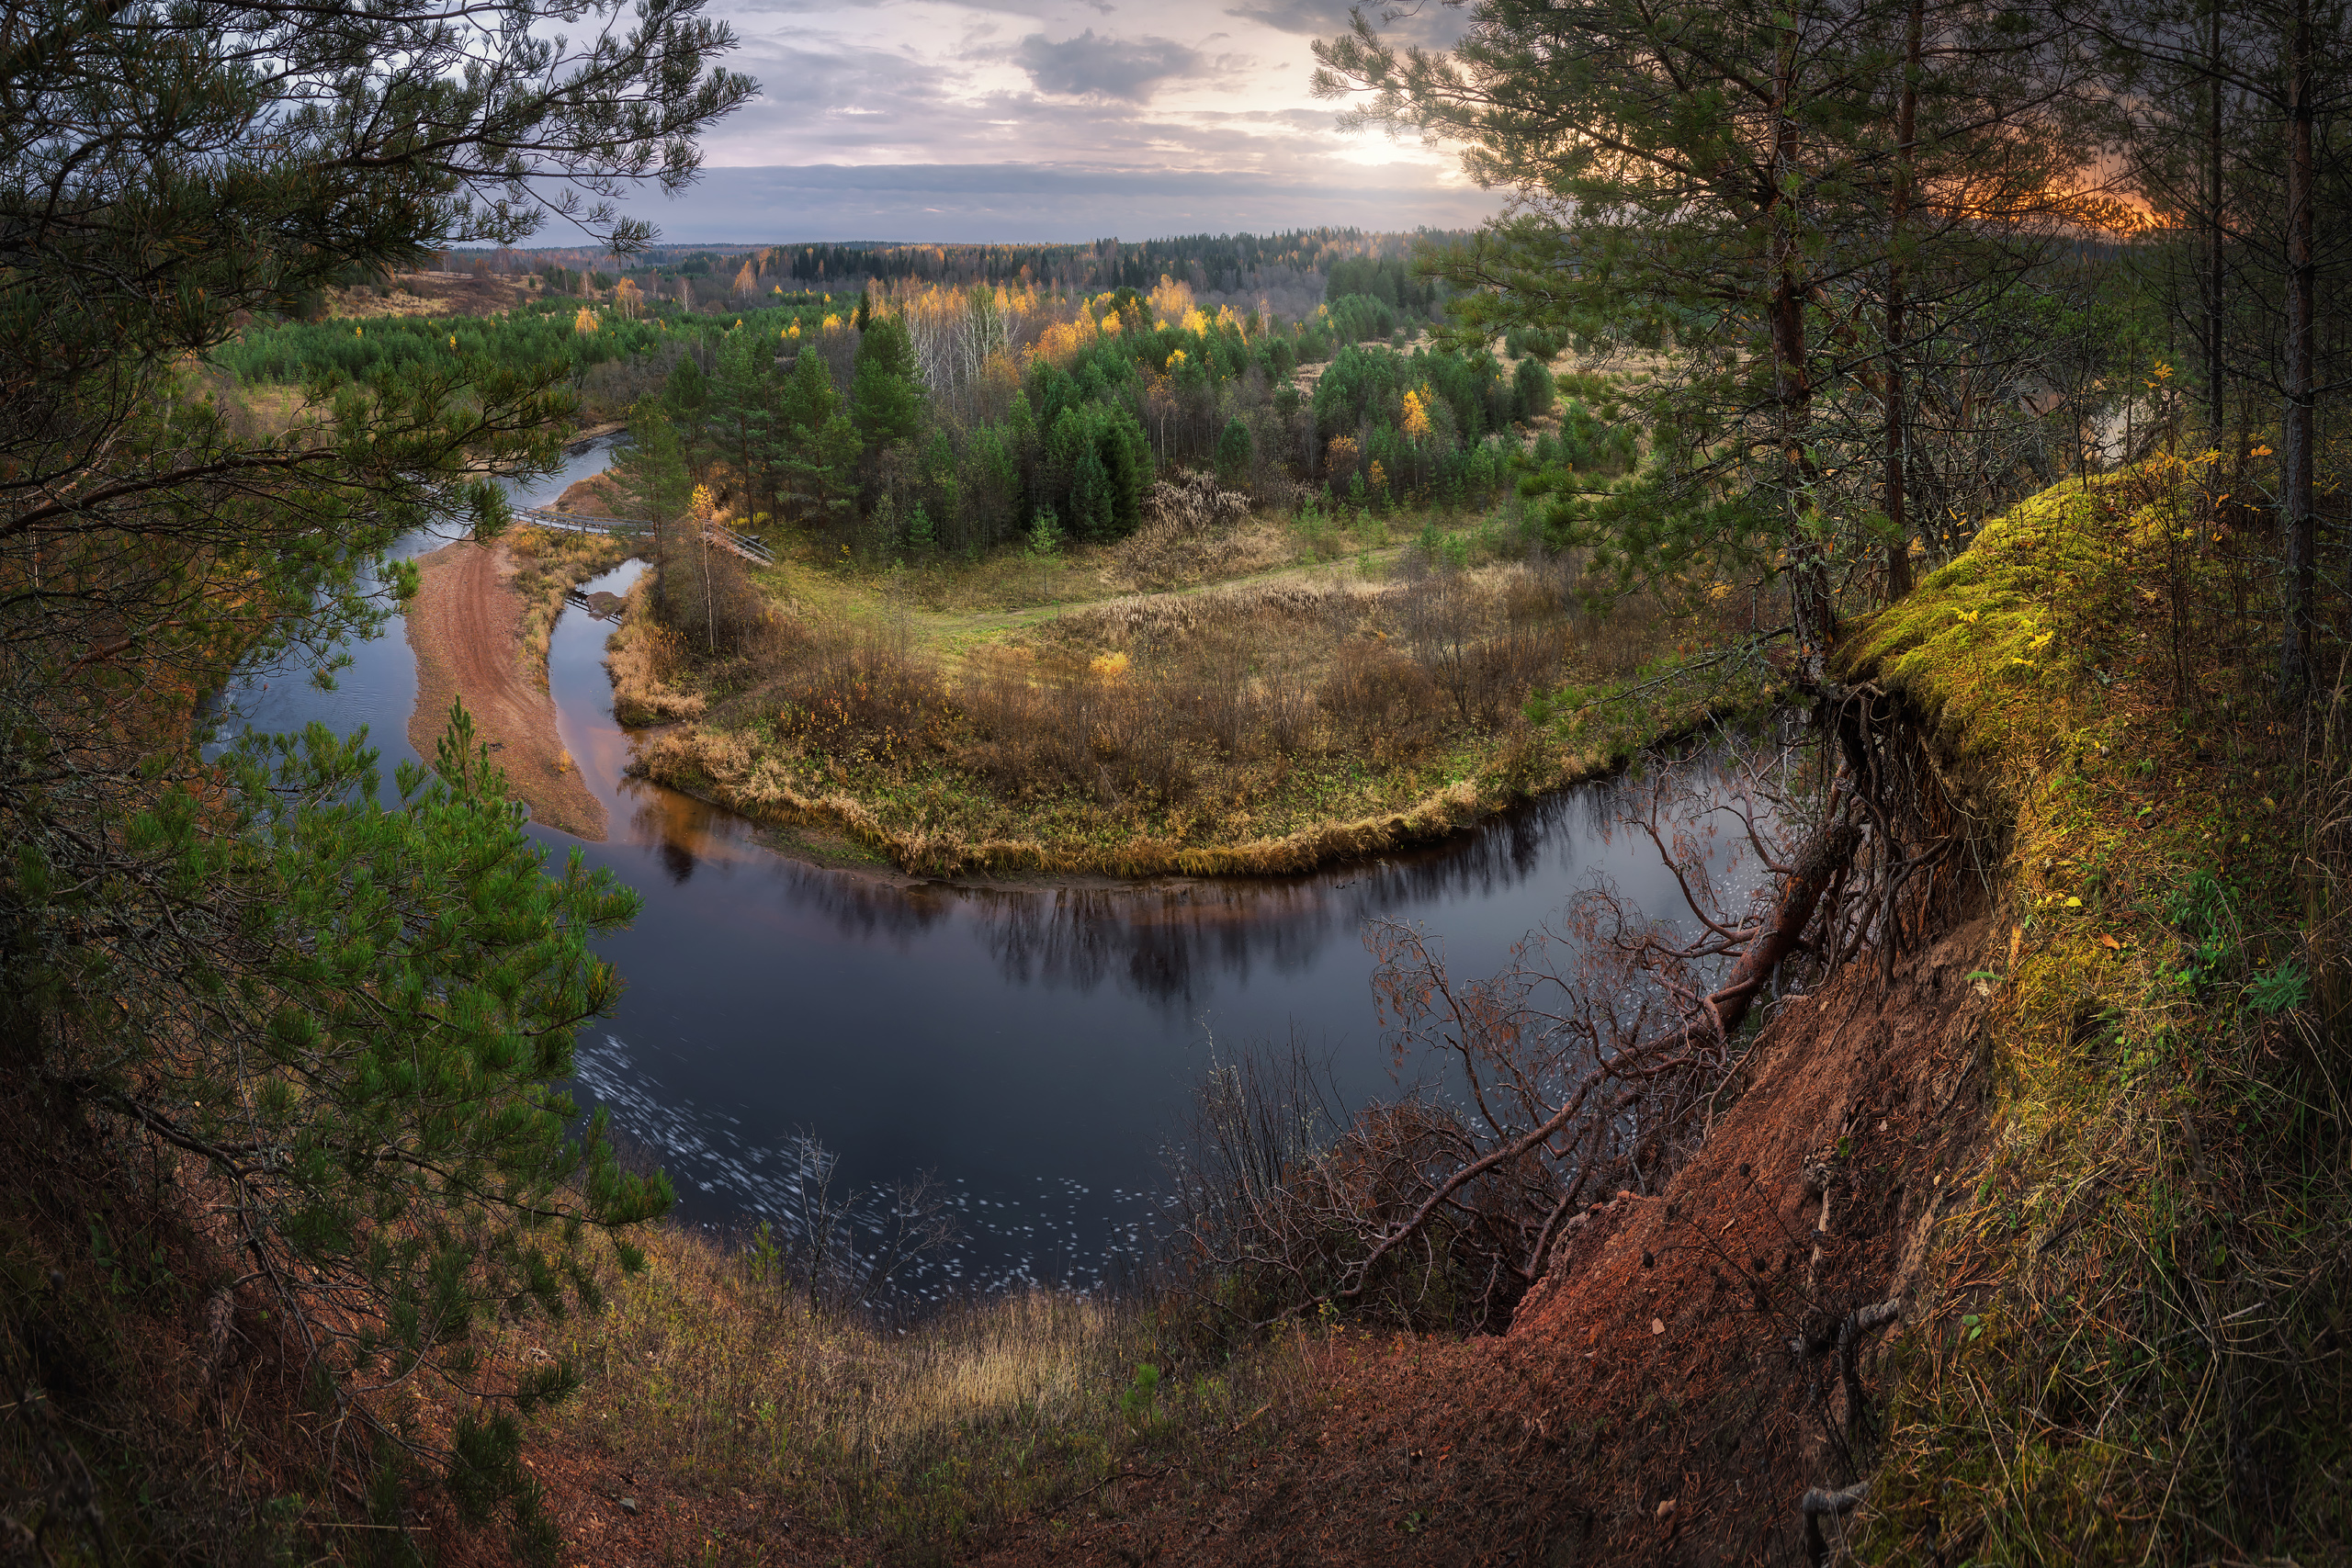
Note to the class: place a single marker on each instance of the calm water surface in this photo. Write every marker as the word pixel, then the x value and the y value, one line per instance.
pixel 1035 1050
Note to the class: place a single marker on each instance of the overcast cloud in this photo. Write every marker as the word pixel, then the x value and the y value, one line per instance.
pixel 1105 67
pixel 1048 119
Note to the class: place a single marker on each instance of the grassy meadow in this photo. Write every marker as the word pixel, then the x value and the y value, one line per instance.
pixel 1228 690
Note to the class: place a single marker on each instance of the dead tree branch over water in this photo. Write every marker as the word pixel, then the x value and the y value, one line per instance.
pixel 1593 1062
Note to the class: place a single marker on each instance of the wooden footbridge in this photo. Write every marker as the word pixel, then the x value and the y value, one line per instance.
pixel 719 533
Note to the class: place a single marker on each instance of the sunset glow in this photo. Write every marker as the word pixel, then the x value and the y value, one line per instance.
pixel 1049 120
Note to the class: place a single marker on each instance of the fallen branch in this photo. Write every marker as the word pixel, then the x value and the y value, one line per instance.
pixel 1722 1011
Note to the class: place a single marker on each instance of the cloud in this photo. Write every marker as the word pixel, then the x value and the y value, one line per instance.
pixel 1011 202
pixel 1105 67
pixel 989 82
pixel 1430 25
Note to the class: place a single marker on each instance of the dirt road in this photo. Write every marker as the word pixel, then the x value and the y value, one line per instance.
pixel 465 626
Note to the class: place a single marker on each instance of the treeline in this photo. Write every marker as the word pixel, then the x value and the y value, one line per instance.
pixel 1209 263
pixel 934 420
pixel 532 334
pixel 1345 261
pixel 920 418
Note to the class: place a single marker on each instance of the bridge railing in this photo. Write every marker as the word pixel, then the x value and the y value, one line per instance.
pixel 743 545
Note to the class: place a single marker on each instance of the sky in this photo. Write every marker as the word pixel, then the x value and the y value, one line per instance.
pixel 999 120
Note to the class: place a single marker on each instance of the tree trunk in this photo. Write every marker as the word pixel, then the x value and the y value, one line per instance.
pixel 1906 129
pixel 2217 415
pixel 2298 500
pixel 1808 568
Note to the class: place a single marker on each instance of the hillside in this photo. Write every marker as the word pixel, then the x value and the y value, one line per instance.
pixel 1983 1223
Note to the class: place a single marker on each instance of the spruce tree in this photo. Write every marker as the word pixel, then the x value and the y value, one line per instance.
pixel 1126 453
pixel 1091 503
pixel 818 445
pixel 743 409
pixel 653 483
pixel 686 398
pixel 886 397
pixel 1233 453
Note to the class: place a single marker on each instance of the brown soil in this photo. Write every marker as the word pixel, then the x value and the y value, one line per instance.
pixel 1647 1406
pixel 591 497
pixel 466 626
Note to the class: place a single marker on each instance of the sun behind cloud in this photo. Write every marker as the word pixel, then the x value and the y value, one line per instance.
pixel 1071 118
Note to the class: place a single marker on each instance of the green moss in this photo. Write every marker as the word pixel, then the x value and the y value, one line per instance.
pixel 1996 650
pixel 2066 1388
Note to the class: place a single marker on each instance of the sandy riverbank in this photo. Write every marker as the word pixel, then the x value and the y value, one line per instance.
pixel 466 626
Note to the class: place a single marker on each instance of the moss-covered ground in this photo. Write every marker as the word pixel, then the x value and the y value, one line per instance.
pixel 2134 1349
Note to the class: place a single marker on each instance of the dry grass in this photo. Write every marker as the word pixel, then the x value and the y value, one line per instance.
pixel 1161 556
pixel 710 1376
pixel 548 564
pixel 1254 728
pixel 432 294
pixel 642 658
pixel 1195 531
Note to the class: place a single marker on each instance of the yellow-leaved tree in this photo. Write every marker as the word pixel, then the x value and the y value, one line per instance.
pixel 1417 416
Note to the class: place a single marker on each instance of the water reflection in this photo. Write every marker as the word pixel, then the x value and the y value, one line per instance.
pixel 1173 942
pixel 376 690
pixel 1034 1046
pixel 1175 945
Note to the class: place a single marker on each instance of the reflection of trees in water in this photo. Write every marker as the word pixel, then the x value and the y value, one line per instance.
pixel 863 907
pixel 1170 943
pixel 1162 943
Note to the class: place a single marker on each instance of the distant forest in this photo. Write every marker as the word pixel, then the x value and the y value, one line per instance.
pixel 1288 273
pixel 913 399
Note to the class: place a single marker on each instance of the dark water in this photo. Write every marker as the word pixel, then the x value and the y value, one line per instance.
pixel 379 688
pixel 1035 1050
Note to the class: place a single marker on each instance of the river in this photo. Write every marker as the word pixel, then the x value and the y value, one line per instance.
pixel 1036 1049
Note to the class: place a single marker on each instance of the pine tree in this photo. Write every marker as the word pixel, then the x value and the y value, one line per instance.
pixel 1726 175
pixel 344 1021
pixel 1531 388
